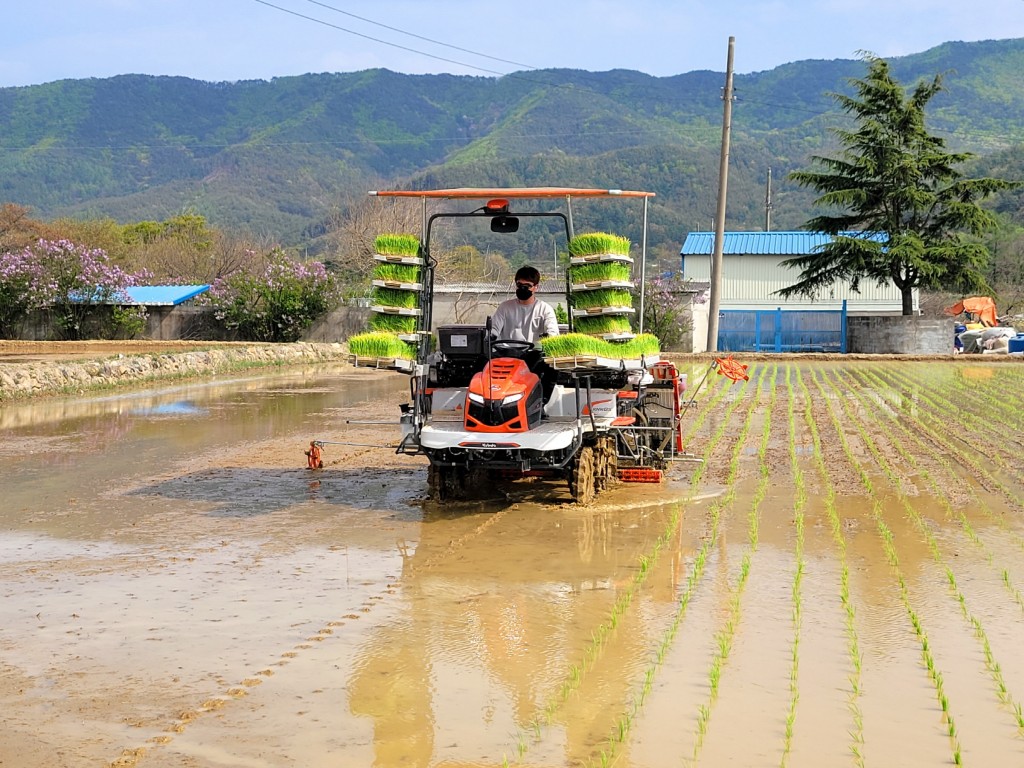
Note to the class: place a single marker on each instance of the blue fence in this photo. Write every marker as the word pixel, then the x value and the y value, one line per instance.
pixel 779 330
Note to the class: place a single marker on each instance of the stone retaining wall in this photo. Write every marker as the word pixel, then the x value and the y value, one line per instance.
pixel 27 379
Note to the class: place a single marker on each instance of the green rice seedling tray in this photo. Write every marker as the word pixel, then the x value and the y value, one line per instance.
pixel 616 336
pixel 592 311
pixel 593 285
pixel 581 362
pixel 415 261
pixel 396 310
pixel 383 363
pixel 394 324
pixel 397 285
pixel 598 325
pixel 599 257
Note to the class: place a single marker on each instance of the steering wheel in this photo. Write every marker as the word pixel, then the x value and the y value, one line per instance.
pixel 512 347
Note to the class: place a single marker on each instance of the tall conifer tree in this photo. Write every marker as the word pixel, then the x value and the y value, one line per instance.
pixel 897 208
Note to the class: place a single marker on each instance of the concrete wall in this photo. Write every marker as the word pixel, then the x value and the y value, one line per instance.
pixel 699 333
pixel 339 324
pixel 903 335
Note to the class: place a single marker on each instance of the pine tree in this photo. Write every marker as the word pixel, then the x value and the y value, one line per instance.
pixel 898 210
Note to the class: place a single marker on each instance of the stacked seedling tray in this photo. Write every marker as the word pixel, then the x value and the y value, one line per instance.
pixel 601 301
pixel 600 284
pixel 397 305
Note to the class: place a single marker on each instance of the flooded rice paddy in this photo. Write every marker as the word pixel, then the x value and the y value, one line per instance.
pixel 838 584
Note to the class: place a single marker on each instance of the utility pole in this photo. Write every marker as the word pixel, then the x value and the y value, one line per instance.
pixel 768 203
pixel 723 183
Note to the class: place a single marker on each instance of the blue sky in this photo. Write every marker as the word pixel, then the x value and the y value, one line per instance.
pixel 218 40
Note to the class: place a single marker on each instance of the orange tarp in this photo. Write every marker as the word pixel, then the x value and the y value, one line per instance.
pixel 982 306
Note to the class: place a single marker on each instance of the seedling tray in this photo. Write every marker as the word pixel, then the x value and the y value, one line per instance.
pixel 394 284
pixel 592 311
pixel 392 259
pixel 593 285
pixel 593 258
pixel 384 363
pixel 396 310
pixel 582 362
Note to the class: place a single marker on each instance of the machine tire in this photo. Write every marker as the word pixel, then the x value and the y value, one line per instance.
pixel 606 463
pixel 581 476
pixel 445 483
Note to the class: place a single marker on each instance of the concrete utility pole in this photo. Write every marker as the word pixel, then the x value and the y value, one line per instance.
pixel 768 203
pixel 723 183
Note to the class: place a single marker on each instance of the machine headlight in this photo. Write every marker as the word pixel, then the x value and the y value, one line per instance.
pixel 475 398
pixel 512 399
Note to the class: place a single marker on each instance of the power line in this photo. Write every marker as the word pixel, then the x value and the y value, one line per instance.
pixel 421 37
pixel 377 39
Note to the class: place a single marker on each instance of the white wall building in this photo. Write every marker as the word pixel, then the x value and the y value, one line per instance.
pixel 752 271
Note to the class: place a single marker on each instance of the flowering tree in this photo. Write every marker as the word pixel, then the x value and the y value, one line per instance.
pixel 18 271
pixel 665 312
pixel 275 303
pixel 69 281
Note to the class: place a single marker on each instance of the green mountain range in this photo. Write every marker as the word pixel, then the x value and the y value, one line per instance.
pixel 277 158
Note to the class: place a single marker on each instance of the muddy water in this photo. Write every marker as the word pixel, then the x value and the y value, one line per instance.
pixel 839 583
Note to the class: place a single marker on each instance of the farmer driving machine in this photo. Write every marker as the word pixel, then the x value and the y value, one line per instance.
pixel 591 406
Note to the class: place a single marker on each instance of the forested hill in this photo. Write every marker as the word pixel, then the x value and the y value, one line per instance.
pixel 277 157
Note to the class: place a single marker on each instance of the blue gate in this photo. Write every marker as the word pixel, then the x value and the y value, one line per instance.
pixel 779 330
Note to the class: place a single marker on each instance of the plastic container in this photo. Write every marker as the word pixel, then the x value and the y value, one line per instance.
pixel 1016 344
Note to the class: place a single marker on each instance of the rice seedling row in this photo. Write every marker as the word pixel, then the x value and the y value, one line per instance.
pixel 973 431
pixel 799 502
pixel 973 411
pixel 724 637
pixel 849 612
pixel 972 620
pixel 937 430
pixel 578 671
pixel 608 751
pixel 941 495
pixel 892 557
pixel 1000 401
pixel 1003 400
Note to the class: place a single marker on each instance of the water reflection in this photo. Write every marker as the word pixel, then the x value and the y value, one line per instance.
pixel 494 626
pixel 180 408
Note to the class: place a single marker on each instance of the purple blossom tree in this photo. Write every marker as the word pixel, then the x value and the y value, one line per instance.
pixel 276 302
pixel 665 309
pixel 68 281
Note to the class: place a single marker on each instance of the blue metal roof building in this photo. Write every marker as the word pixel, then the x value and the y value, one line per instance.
pixel 753 273
pixel 788 244
pixel 794 243
pixel 164 295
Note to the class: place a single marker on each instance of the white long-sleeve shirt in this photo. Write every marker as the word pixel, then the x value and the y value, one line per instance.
pixel 524 322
